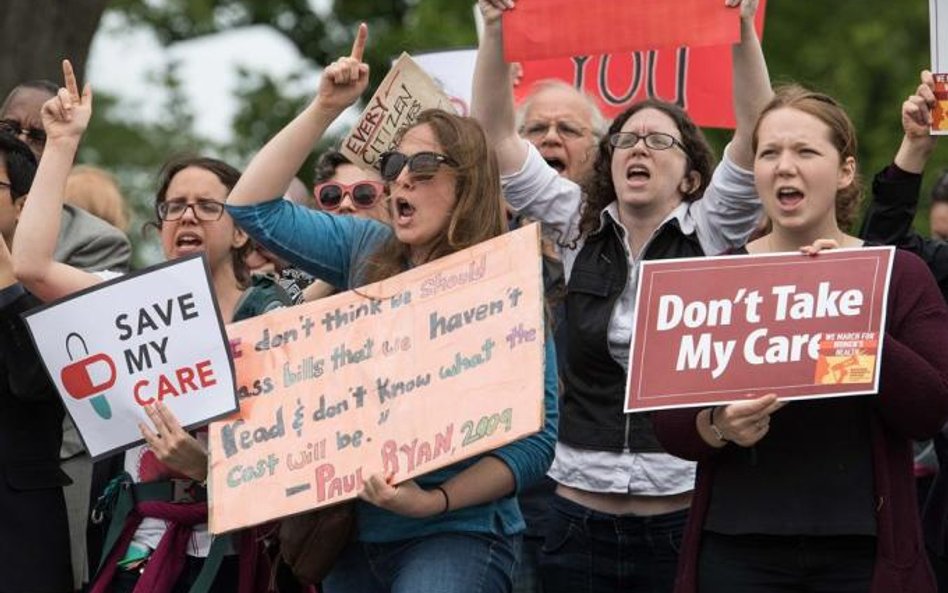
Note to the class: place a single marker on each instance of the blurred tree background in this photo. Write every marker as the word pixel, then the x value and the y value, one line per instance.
pixel 867 53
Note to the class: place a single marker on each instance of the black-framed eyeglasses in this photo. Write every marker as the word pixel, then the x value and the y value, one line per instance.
pixel 13 127
pixel 653 140
pixel 364 194
pixel 421 163
pixel 203 210
pixel 533 130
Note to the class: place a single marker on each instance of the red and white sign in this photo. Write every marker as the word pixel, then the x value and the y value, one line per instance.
pixel 696 78
pixel 722 329
pixel 150 336
pixel 543 29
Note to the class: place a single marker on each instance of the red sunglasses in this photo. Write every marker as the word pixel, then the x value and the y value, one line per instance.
pixel 364 194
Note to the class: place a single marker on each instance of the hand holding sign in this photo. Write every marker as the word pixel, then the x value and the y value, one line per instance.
pixel 172 445
pixel 344 81
pixel 493 10
pixel 406 499
pixel 748 7
pixel 745 423
pixel 917 109
pixel 68 113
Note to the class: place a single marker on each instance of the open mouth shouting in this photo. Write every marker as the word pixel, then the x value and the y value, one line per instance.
pixel 556 162
pixel 404 211
pixel 789 197
pixel 188 242
pixel 637 174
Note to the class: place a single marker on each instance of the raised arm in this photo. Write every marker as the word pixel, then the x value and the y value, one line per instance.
pixel 65 118
pixel 895 190
pixel 492 103
pixel 751 83
pixel 918 143
pixel 271 170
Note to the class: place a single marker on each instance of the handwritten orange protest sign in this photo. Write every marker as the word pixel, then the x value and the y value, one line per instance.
pixel 535 30
pixel 721 329
pixel 404 376
pixel 406 91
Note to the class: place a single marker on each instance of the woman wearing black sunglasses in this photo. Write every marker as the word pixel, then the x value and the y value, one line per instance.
pixel 456 529
pixel 617 518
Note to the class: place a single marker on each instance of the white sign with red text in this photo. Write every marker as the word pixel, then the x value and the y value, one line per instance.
pixel 151 336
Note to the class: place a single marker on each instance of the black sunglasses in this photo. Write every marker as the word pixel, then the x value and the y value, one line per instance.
pixel 364 194
pixel 33 135
pixel 421 163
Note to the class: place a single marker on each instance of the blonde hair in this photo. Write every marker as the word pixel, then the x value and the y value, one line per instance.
pixel 96 191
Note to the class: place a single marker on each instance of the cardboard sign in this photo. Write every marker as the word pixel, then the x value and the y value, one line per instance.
pixel 698 79
pixel 400 377
pixel 721 329
pixel 150 336
pixel 544 29
pixel 453 72
pixel 406 91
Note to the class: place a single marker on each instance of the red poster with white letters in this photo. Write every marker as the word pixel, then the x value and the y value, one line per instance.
pixel 696 78
pixel 722 329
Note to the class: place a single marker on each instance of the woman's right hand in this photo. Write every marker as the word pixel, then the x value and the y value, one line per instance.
pixel 67 115
pixel 745 423
pixel 917 109
pixel 344 81
pixel 493 10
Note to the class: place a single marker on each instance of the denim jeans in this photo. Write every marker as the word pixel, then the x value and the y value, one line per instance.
pixel 586 551
pixel 785 564
pixel 443 563
pixel 527 575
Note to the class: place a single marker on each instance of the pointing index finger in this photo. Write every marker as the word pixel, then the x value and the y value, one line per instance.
pixel 358 46
pixel 69 79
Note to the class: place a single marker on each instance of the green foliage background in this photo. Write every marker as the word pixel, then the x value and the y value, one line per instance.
pixel 866 53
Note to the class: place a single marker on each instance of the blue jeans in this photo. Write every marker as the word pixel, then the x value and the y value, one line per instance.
pixel 443 562
pixel 589 551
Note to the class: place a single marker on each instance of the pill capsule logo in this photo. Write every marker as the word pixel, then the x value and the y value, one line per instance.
pixel 88 376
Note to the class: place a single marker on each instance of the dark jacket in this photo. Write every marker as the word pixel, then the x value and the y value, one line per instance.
pixel 888 221
pixel 34 534
pixel 593 415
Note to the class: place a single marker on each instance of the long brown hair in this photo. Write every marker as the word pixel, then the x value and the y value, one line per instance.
pixel 842 135
pixel 599 188
pixel 478 214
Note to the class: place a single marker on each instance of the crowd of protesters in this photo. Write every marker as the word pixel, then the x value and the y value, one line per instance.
pixel 758 496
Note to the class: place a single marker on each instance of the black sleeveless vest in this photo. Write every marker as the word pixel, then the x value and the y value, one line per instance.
pixel 592 408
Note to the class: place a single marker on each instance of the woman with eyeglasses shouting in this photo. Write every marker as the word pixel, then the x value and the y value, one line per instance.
pixel 456 529
pixel 621 503
pixel 190 218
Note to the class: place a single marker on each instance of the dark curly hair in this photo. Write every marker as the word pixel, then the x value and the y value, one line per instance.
pixel 599 188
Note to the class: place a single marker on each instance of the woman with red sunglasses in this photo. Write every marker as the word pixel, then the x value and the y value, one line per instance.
pixel 340 187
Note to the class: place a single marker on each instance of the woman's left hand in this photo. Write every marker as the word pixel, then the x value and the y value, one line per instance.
pixel 406 498
pixel 818 246
pixel 172 445
pixel 748 7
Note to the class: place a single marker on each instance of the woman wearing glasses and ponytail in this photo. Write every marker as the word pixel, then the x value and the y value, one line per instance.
pixel 456 529
pixel 190 218
pixel 618 516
